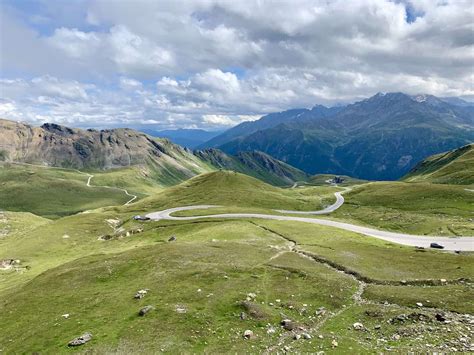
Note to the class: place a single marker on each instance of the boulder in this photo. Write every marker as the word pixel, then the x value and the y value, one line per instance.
pixel 84 338
pixel 358 326
pixel 287 324
pixel 144 310
pixel 248 334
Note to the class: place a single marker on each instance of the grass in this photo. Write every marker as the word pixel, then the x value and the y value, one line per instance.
pixel 456 298
pixel 357 253
pixel 453 167
pixel 51 193
pixel 228 188
pixel 100 300
pixel 415 208
pixel 65 268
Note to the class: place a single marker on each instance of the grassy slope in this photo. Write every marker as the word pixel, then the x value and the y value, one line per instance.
pixel 94 281
pixel 420 208
pixel 51 193
pixel 234 189
pixel 453 167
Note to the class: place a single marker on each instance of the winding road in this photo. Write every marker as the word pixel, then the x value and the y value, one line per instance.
pixel 449 243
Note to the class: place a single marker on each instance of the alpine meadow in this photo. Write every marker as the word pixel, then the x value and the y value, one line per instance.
pixel 248 177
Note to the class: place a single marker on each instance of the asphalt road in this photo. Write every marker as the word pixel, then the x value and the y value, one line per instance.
pixel 449 243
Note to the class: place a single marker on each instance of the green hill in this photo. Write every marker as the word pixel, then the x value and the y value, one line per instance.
pixel 229 188
pixel 453 167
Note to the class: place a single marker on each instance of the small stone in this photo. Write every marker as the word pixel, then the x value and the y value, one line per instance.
pixel 377 326
pixel 334 343
pixel 243 316
pixel 65 316
pixel 140 294
pixel 306 336
pixel 199 290
pixel 297 337
pixel 172 238
pixel 396 337
pixel 419 304
pixel 443 280
pixel 320 336
pixel 180 309
pixel 248 334
pixel 270 330
pixel 145 310
pixel 440 317
pixel 358 326
pixel 84 338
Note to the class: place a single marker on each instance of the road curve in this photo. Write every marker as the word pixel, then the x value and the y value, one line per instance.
pixel 455 243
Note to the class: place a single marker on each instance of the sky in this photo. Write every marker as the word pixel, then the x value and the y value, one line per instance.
pixel 215 63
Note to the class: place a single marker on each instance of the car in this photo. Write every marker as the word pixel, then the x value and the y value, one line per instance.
pixel 141 218
pixel 436 246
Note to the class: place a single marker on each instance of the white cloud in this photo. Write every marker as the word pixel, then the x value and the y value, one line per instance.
pixel 213 62
pixel 75 43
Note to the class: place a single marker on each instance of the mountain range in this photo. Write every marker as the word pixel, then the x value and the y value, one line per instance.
pixel 59 146
pixel 189 138
pixel 379 138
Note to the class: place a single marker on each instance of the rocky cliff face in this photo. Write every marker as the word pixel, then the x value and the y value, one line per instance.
pixel 55 145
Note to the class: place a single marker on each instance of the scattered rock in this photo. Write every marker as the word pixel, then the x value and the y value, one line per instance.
pixel 396 337
pixel 377 326
pixel 6 264
pixel 419 304
pixel 84 338
pixel 440 317
pixel 251 296
pixel 140 294
pixel 321 311
pixel 65 236
pixel 443 281
pixel 145 310
pixel 65 316
pixel 358 326
pixel 334 343
pixel 297 337
pixel 306 336
pixel 243 315
pixel 172 238
pixel 248 334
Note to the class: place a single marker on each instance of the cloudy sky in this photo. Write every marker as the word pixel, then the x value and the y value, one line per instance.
pixel 212 64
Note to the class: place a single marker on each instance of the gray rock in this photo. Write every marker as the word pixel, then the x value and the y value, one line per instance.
pixel 145 310
pixel 172 238
pixel 287 324
pixel 84 338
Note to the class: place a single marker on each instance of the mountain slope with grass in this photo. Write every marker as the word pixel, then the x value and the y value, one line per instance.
pixel 380 138
pixel 127 155
pixel 256 164
pixel 453 167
